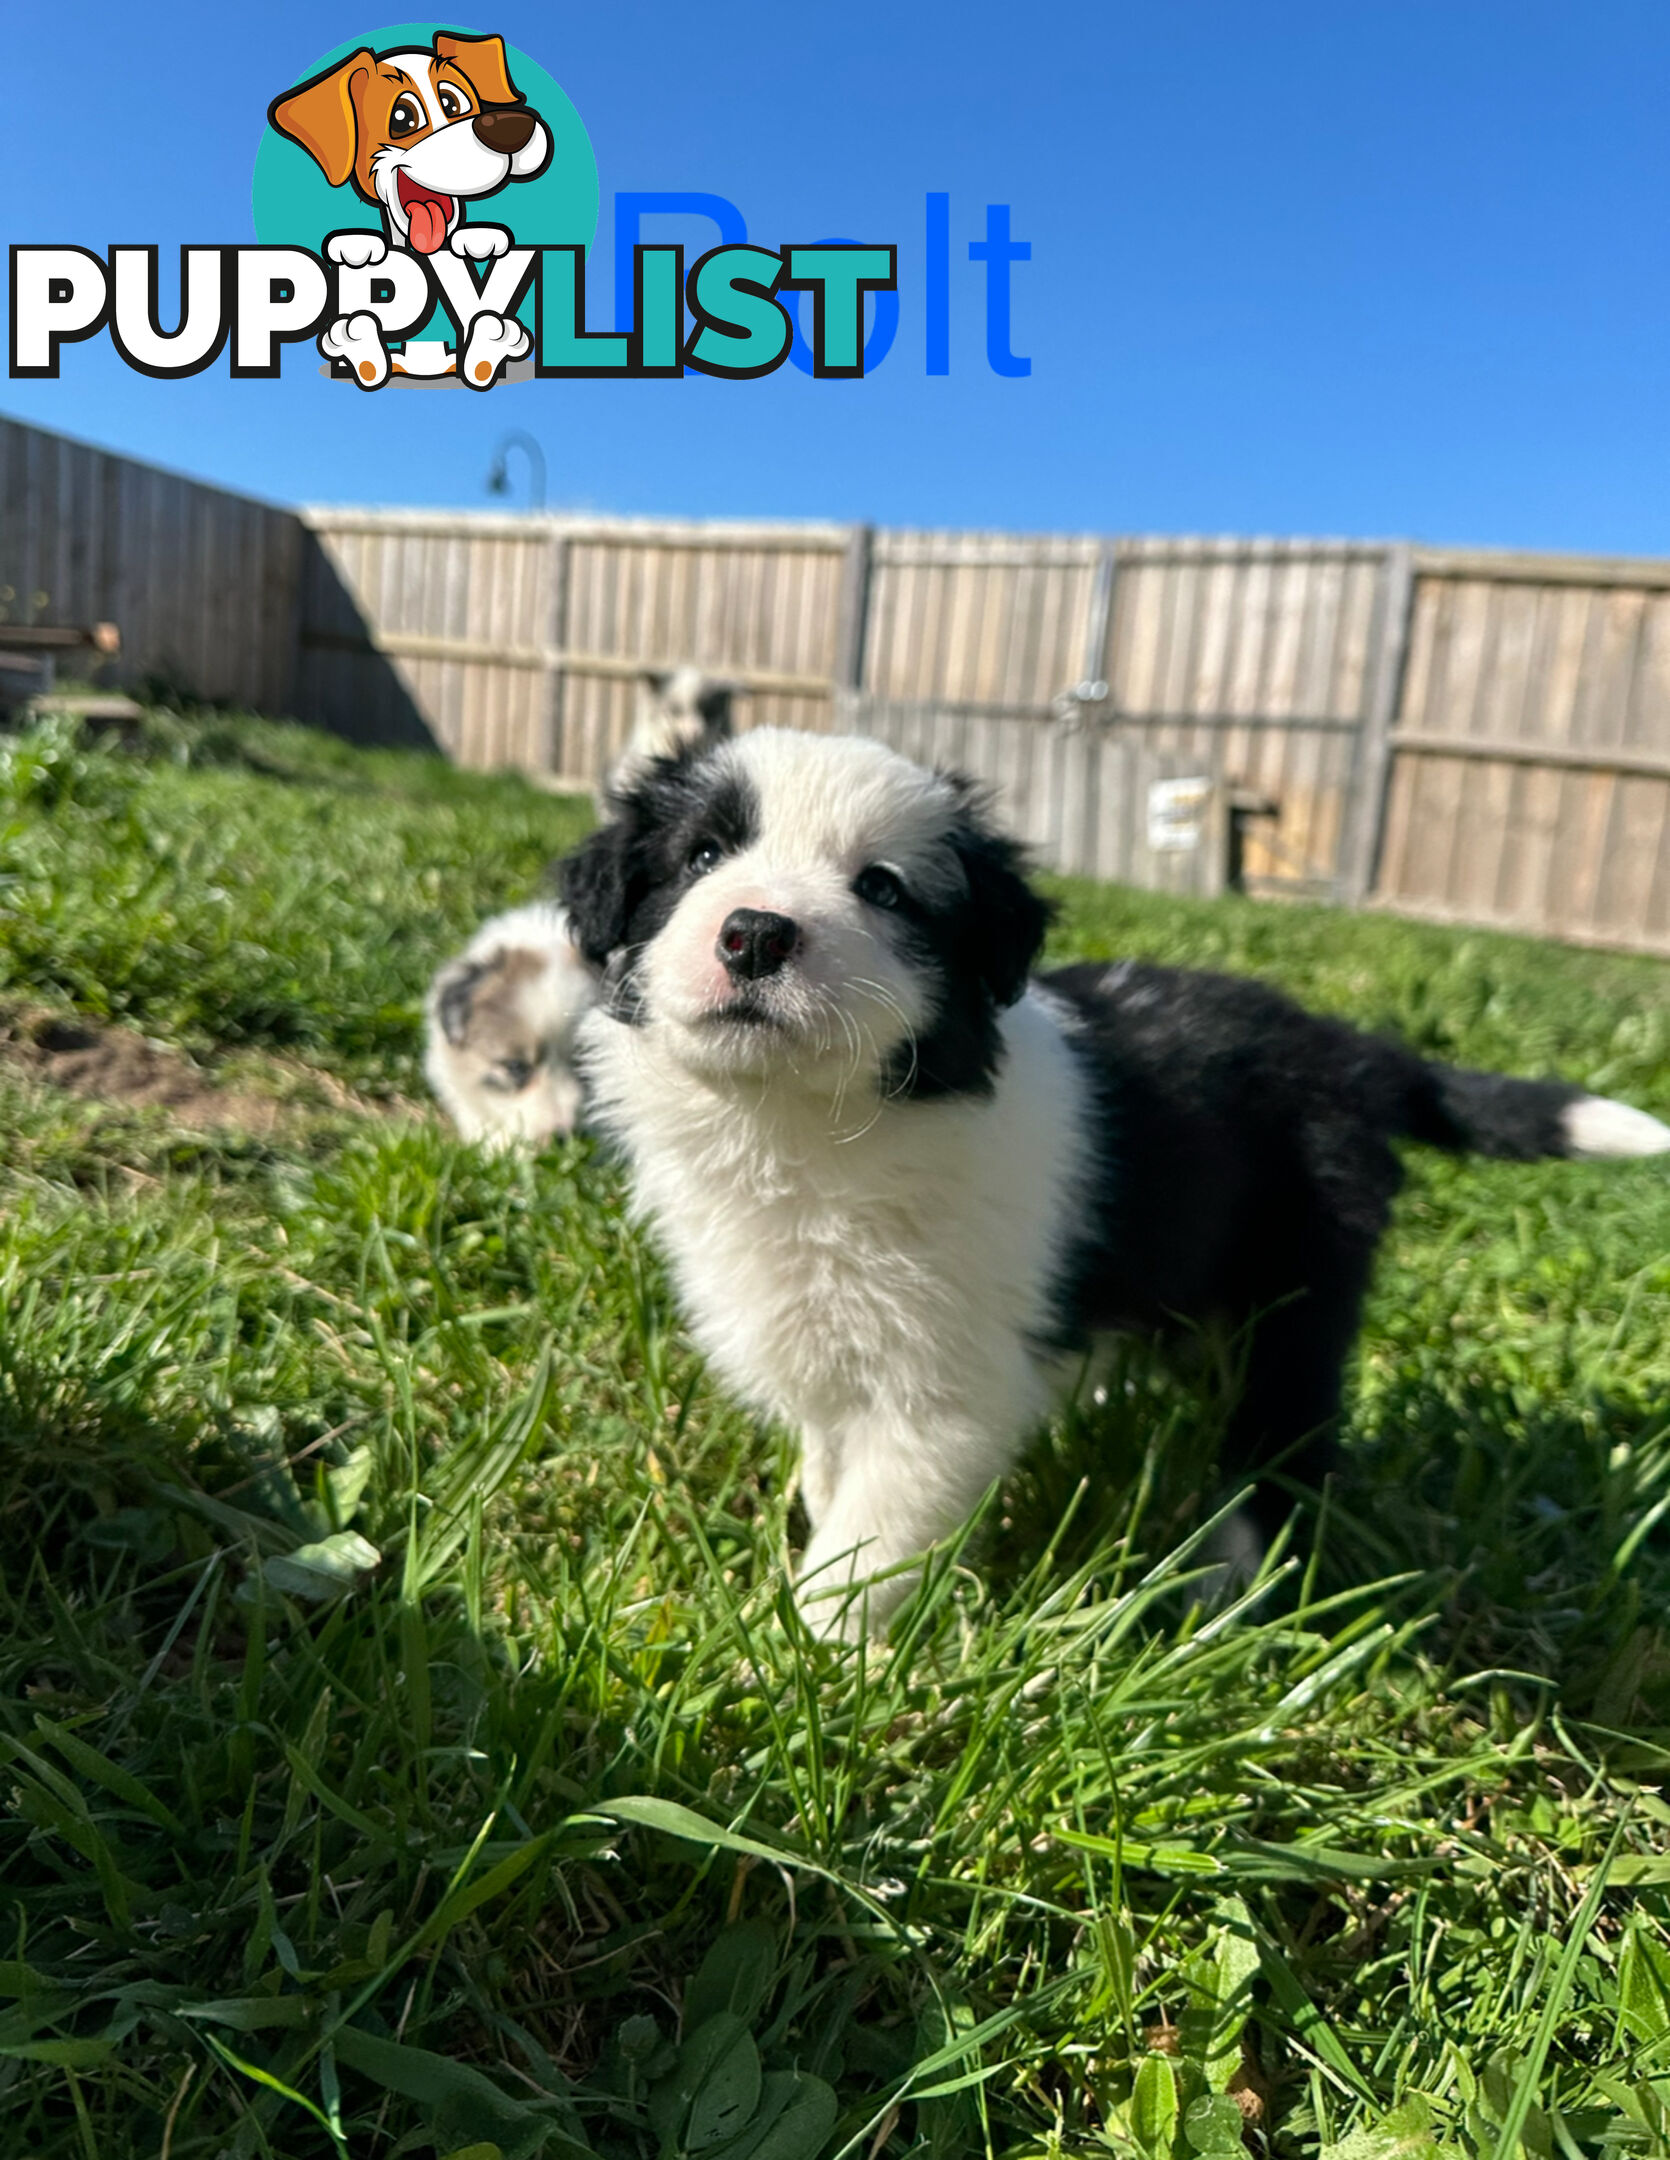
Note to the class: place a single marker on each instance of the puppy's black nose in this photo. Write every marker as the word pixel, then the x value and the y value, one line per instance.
pixel 504 127
pixel 753 942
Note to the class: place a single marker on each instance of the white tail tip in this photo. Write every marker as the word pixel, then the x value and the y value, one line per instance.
pixel 1596 1127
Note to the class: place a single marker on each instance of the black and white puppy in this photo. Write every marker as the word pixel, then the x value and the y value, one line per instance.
pixel 678 709
pixel 903 1184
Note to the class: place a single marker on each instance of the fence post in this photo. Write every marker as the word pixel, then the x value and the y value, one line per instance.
pixel 1366 815
pixel 851 622
pixel 556 675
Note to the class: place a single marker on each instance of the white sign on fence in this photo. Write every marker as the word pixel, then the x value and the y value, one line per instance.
pixel 1176 811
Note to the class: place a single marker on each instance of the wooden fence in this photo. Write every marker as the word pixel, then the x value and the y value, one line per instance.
pixel 1257 667
pixel 1252 666
pixel 202 583
pixel 1530 774
pixel 1473 737
pixel 518 640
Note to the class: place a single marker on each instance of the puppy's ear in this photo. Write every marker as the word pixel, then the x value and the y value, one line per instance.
pixel 1010 919
pixel 454 998
pixel 656 679
pixel 320 115
pixel 482 60
pixel 593 884
pixel 714 705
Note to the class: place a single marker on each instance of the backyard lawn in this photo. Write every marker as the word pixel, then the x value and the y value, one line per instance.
pixel 406 1741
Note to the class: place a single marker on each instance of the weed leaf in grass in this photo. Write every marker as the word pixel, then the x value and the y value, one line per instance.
pixel 463 2103
pixel 1644 1993
pixel 793 2120
pixel 712 2091
pixel 1155 2107
pixel 1212 2127
pixel 735 1976
pixel 1219 1979
pixel 324 1571
pixel 1403 2133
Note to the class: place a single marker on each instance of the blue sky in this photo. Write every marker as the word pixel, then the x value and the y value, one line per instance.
pixel 1351 268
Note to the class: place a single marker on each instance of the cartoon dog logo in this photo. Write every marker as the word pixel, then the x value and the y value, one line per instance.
pixel 419 132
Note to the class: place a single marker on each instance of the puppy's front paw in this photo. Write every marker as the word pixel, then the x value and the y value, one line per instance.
pixel 493 340
pixel 358 340
pixel 356 250
pixel 479 243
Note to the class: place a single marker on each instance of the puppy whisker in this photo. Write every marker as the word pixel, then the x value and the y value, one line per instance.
pixel 890 1003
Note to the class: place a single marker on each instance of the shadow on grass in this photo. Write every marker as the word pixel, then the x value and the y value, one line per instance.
pixel 494 1806
pixel 1528 1525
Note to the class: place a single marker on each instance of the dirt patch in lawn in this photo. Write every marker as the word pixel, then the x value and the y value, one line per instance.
pixel 106 1063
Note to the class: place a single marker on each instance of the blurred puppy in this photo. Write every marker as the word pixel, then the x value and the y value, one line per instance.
pixel 679 709
pixel 501 1021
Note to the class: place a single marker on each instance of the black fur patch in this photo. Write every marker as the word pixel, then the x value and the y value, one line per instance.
pixel 622 884
pixel 979 950
pixel 714 705
pixel 456 998
pixel 1517 1120
pixel 1247 1176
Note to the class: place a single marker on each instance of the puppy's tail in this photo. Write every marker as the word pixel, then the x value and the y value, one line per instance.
pixel 1482 1113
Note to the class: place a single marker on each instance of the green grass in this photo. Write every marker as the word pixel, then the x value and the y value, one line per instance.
pixel 406 1743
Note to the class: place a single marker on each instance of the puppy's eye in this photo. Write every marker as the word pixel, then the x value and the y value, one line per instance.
pixel 706 855
pixel 406 118
pixel 515 1072
pixel 452 100
pixel 879 886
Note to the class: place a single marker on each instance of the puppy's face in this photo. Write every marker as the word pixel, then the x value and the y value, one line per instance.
pixel 811 907
pixel 418 132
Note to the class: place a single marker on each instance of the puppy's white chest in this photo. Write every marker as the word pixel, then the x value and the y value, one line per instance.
pixel 809 1300
pixel 831 1272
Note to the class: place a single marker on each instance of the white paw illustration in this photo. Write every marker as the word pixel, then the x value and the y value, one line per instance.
pixel 356 250
pixel 493 340
pixel 358 339
pixel 479 243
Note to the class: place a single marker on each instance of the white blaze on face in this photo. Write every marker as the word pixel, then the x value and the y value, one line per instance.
pixel 420 82
pixel 424 185
pixel 824 811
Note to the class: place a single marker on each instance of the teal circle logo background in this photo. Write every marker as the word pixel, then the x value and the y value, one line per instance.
pixel 294 204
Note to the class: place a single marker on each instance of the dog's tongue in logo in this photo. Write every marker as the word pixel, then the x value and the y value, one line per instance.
pixel 429 214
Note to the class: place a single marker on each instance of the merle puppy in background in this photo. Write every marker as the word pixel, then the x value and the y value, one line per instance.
pixel 904 1183
pixel 501 1016
pixel 500 1021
